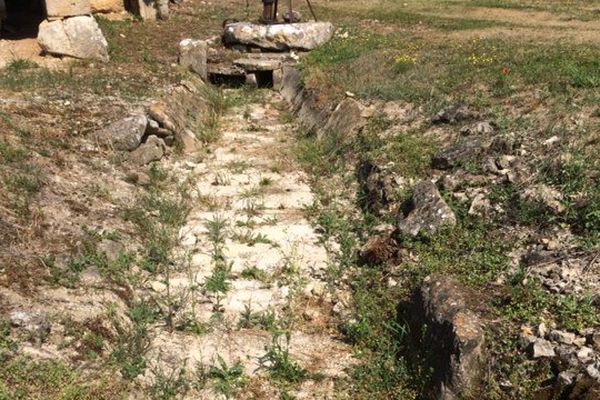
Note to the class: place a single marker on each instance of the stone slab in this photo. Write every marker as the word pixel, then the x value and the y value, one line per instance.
pixel 67 8
pixel 258 64
pixel 303 36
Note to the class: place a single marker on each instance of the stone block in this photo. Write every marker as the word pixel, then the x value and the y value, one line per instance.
pixel 67 8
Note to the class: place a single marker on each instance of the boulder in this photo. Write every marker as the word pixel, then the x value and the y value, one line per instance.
pixel 456 155
pixel 453 333
pixel 300 36
pixel 152 150
pixel 78 37
pixel 67 8
pixel 125 134
pixel 107 6
pixel 426 212
pixel 193 56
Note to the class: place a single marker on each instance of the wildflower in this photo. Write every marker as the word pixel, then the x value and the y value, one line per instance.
pixel 504 70
pixel 405 59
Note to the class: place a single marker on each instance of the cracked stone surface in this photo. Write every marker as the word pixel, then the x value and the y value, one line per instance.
pixel 249 185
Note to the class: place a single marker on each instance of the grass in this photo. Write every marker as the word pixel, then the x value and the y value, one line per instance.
pixel 410 63
pixel 373 65
pixel 21 378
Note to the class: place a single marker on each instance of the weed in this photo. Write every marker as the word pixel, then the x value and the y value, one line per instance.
pixel 238 166
pixel 168 385
pixel 278 363
pixel 264 320
pixel 7 345
pixel 133 343
pixel 218 282
pixel 251 239
pixel 265 181
pixel 226 379
pixel 254 273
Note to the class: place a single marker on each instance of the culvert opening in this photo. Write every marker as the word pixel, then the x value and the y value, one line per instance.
pixel 21 18
pixel 231 81
pixel 260 79
pixel 264 79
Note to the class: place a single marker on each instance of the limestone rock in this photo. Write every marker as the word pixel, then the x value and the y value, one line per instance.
pixel 545 195
pixel 146 9
pixel 162 9
pixel 427 211
pixel 78 37
pixel 107 6
pixel 542 348
pixel 193 56
pixel 378 186
pixel 125 134
pixel 280 37
pixel 152 150
pixel 36 325
pixel 453 114
pixel 311 111
pixel 182 111
pixel 481 206
pixel 453 333
pixel 258 64
pixel 562 337
pixel 456 155
pixel 67 8
pixel 345 118
pixel 478 128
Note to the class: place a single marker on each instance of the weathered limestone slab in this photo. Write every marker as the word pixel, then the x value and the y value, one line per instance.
pixel 107 6
pixel 302 36
pixel 78 37
pixel 193 55
pixel 258 64
pixel 67 8
pixel 311 112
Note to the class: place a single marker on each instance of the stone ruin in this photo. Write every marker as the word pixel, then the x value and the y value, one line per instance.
pixel 252 54
pixel 68 27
